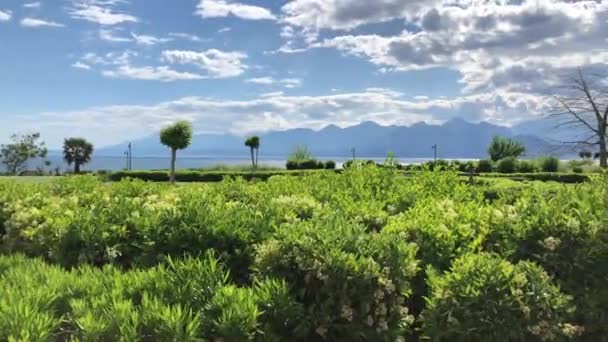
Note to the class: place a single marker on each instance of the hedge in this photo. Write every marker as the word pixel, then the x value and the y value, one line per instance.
pixel 569 178
pixel 208 177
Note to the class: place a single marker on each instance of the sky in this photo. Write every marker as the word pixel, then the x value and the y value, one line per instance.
pixel 114 70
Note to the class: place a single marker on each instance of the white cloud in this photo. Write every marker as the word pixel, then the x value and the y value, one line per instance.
pixel 81 65
pixel 111 35
pixel 149 73
pixel 5 15
pixel 32 5
pixel 148 40
pixel 226 8
pixel 285 82
pixel 348 14
pixel 187 36
pixel 224 30
pixel 100 12
pixel 36 22
pixel 513 46
pixel 215 63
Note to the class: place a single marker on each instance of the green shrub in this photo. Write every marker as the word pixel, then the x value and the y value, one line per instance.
pixel 549 164
pixel 484 166
pixel 565 234
pixel 506 165
pixel 524 166
pixel 485 298
pixel 577 169
pixel 330 165
pixel 350 287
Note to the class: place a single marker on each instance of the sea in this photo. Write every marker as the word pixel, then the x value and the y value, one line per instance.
pixel 114 163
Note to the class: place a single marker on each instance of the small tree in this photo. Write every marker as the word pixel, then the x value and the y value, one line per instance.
pixel 300 154
pixel 254 145
pixel 77 151
pixel 177 137
pixel 585 154
pixel 501 148
pixel 23 147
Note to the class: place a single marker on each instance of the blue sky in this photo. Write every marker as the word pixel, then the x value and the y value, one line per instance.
pixel 112 70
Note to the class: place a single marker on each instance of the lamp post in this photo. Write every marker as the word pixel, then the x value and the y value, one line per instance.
pixel 130 166
pixel 434 147
pixel 353 150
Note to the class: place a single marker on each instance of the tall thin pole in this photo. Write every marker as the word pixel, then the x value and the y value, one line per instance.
pixel 130 158
pixel 435 153
pixel 353 150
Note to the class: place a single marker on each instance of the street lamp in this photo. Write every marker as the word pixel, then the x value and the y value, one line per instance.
pixel 353 150
pixel 434 147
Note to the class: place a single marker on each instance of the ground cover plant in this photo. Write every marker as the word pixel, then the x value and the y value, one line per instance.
pixel 369 254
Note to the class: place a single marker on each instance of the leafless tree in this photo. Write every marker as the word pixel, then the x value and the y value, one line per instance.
pixel 584 107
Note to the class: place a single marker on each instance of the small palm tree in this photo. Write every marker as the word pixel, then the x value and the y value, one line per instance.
pixel 77 151
pixel 254 145
pixel 177 137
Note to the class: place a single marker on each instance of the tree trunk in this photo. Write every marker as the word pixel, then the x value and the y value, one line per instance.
pixel 252 160
pixel 257 150
pixel 173 157
pixel 603 151
pixel 76 168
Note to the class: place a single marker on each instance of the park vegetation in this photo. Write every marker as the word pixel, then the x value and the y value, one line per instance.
pixel 362 255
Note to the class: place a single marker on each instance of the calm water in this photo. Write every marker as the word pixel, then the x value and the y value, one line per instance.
pixel 152 163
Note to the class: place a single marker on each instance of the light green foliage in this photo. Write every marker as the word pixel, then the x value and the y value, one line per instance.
pixel 484 297
pixel 322 256
pixel 501 148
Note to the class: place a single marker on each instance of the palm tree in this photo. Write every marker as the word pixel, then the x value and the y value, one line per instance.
pixel 77 151
pixel 177 137
pixel 254 145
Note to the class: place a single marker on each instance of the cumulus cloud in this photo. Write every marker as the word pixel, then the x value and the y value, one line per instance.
pixel 225 8
pixel 349 14
pixel 101 12
pixel 5 15
pixel 36 22
pixel 215 63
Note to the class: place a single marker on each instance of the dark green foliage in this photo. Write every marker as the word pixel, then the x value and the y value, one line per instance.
pixel 77 151
pixel 524 166
pixel 330 165
pixel 507 165
pixel 501 148
pixel 202 176
pixel 484 297
pixel 484 166
pixel 549 164
pixel 311 164
pixel 177 137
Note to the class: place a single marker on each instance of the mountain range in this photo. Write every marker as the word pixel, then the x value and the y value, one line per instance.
pixel 456 138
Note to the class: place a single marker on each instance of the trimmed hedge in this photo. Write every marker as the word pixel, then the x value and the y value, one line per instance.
pixel 568 178
pixel 206 177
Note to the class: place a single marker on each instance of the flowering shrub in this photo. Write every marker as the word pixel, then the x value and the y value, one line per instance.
pixel 323 256
pixel 484 297
pixel 352 285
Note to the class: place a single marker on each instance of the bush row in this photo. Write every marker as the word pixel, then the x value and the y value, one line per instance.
pixel 310 165
pixel 200 176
